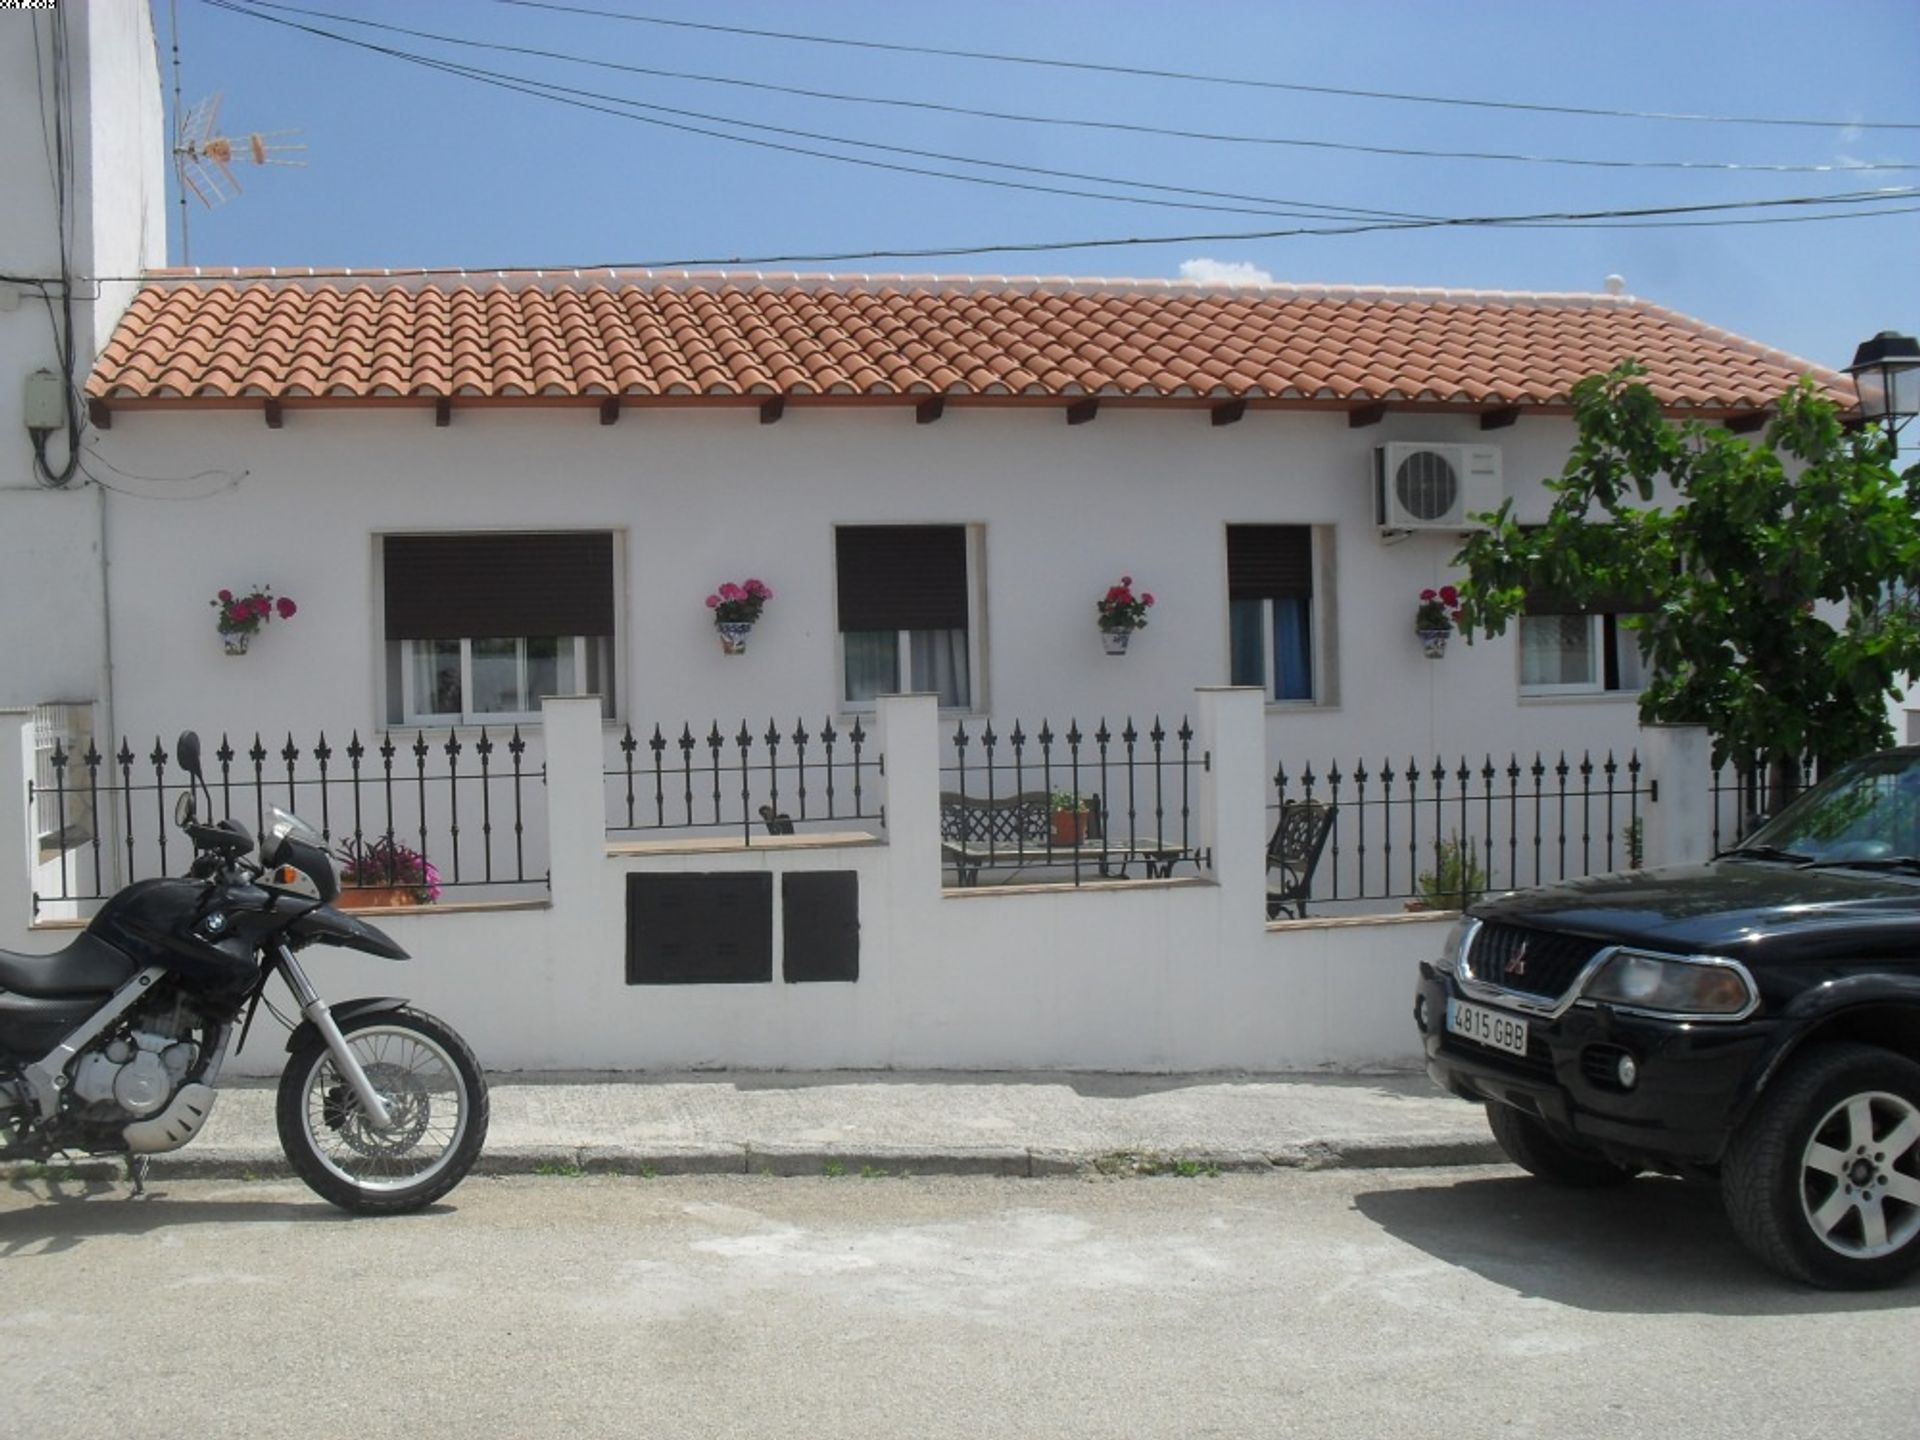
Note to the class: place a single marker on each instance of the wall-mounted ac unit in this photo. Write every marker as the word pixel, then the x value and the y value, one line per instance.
pixel 1434 487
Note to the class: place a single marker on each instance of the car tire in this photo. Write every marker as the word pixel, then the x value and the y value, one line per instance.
pixel 1822 1180
pixel 1544 1155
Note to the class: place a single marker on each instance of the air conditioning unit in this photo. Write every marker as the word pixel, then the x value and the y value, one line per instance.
pixel 1434 487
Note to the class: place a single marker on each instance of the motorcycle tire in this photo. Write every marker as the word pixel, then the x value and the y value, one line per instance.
pixel 435 1097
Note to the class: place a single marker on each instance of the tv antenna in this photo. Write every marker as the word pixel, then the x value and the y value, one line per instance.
pixel 204 157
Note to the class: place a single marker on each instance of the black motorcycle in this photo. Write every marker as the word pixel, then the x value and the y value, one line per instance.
pixel 114 1044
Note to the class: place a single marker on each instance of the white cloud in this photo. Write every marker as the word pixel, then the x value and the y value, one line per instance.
pixel 1223 272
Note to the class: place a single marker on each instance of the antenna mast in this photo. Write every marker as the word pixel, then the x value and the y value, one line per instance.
pixel 179 174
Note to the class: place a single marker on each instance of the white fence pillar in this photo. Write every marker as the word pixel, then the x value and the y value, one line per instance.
pixel 1679 824
pixel 576 799
pixel 910 741
pixel 18 844
pixel 1234 795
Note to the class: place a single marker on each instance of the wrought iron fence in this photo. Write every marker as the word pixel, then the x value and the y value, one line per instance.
pixel 1075 803
pixel 762 784
pixel 464 806
pixel 1747 792
pixel 1445 833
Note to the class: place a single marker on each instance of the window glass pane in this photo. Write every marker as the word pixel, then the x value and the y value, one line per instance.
pixel 939 659
pixel 873 663
pixel 1557 650
pixel 1630 659
pixel 1293 648
pixel 550 668
pixel 436 677
pixel 1246 642
pixel 496 677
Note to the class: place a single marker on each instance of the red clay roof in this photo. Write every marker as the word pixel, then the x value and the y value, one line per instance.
pixel 200 338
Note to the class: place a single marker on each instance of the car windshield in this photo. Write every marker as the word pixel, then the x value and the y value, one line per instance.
pixel 1866 812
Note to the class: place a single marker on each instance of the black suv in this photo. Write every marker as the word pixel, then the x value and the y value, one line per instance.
pixel 1755 1020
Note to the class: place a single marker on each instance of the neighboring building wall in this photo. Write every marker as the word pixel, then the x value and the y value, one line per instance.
pixel 50 553
pixel 702 497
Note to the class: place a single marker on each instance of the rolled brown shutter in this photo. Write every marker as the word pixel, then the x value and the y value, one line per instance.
pixel 1269 562
pixel 448 587
pixel 902 577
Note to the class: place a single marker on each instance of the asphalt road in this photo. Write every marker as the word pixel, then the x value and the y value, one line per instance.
pixel 1455 1303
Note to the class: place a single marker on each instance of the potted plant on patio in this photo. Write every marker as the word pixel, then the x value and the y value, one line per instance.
pixel 1121 613
pixel 735 609
pixel 384 873
pixel 1434 619
pixel 1070 813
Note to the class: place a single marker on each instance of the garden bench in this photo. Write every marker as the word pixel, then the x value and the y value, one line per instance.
pixel 1294 851
pixel 1016 831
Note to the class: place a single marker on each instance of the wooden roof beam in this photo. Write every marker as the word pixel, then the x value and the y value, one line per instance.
pixel 929 410
pixel 1230 412
pixel 1499 419
pixel 610 410
pixel 771 410
pixel 275 417
pixel 1082 411
pixel 1362 416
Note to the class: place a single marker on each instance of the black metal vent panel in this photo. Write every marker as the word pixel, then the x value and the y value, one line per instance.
pixel 1529 962
pixel 820 922
pixel 702 929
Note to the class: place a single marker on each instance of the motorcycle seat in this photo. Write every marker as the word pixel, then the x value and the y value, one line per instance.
pixel 89 966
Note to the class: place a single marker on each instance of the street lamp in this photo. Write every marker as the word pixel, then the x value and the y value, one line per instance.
pixel 1886 372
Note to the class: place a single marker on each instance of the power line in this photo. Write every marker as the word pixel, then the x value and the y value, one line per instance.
pixel 1377 219
pixel 582 99
pixel 1202 79
pixel 1082 122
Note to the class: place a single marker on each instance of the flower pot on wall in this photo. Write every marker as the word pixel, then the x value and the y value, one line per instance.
pixel 1115 641
pixel 733 635
pixel 236 643
pixel 1433 643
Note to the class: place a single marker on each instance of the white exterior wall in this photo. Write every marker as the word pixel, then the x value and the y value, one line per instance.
pixel 50 581
pixel 702 497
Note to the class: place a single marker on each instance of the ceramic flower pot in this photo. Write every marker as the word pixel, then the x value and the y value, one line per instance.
pixel 1115 641
pixel 236 641
pixel 1433 643
pixel 733 635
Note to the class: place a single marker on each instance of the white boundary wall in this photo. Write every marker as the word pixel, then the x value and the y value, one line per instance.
pixel 1176 976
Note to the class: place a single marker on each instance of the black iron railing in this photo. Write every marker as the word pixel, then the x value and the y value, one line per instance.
pixel 1747 792
pixel 461 806
pixel 1445 833
pixel 758 784
pixel 1054 804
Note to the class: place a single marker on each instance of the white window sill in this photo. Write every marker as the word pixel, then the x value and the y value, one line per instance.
pixel 1582 697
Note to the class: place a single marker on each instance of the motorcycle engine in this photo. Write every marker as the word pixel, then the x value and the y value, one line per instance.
pixel 138 1069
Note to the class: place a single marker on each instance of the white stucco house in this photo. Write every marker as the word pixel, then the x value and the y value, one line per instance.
pixel 483 489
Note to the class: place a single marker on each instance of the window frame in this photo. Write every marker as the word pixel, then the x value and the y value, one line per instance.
pixel 1603 628
pixel 975 703
pixel 1320 630
pixel 393 659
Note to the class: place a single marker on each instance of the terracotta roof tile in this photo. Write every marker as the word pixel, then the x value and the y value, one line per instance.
pixel 190 336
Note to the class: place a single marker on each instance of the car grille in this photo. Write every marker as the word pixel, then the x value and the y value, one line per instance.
pixel 1549 965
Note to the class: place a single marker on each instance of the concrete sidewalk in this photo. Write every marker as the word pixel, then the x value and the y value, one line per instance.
pixel 921 1123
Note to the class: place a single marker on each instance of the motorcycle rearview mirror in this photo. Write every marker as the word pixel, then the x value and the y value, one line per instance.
pixel 187 751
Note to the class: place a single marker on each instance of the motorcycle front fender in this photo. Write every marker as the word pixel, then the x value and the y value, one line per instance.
pixel 327 926
pixel 343 1013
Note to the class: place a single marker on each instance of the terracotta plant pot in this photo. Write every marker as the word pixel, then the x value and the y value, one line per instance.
pixel 373 897
pixel 1069 827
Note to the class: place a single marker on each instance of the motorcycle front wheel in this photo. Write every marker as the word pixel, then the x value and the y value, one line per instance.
pixel 435 1098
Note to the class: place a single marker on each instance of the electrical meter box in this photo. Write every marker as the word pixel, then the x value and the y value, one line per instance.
pixel 46 401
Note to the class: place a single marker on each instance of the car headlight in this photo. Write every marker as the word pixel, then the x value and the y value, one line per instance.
pixel 1701 986
pixel 1455 945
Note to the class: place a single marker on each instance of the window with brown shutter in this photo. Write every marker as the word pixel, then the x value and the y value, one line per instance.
pixel 1269 562
pixel 1272 623
pixel 481 626
pixel 905 605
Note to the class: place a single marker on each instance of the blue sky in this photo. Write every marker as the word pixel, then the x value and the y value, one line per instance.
pixel 409 166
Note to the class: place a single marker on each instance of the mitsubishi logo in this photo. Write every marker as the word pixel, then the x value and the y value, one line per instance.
pixel 1517 962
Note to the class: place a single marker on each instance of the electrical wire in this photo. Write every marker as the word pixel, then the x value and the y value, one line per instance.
pixel 1082 122
pixel 1377 219
pixel 1596 112
pixel 585 100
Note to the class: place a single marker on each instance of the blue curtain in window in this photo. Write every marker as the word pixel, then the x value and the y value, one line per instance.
pixel 1246 620
pixel 1293 648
